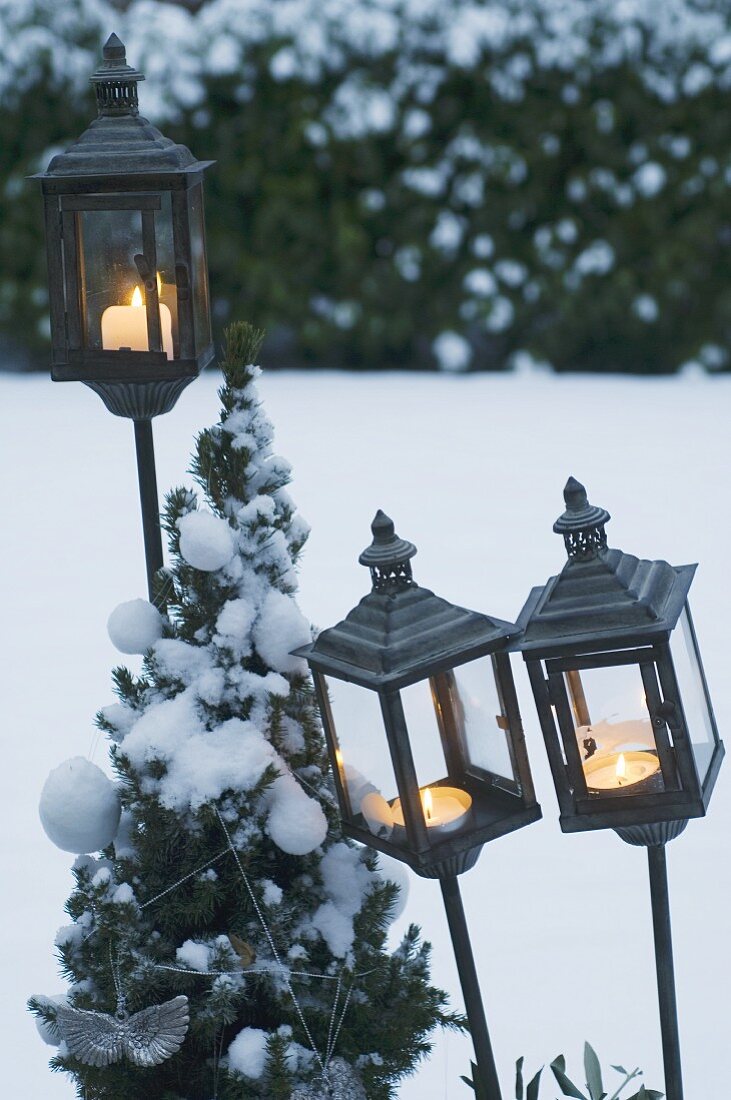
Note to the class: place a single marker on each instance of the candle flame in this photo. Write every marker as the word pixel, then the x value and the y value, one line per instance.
pixel 621 767
pixel 137 297
pixel 339 758
pixel 428 803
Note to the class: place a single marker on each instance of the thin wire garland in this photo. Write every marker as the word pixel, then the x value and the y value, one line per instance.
pixel 270 940
pixel 285 971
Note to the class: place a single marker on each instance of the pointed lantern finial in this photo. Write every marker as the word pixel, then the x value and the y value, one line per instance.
pixel 582 524
pixel 115 81
pixel 388 557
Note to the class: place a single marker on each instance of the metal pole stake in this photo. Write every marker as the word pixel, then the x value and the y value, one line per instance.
pixel 148 500
pixel 484 1058
pixel 665 971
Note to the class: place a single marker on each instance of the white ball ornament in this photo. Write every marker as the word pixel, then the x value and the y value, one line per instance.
pixel 135 626
pixel 206 541
pixel 79 807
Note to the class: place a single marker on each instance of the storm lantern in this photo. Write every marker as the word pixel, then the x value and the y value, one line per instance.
pixel 623 702
pixel 127 271
pixel 425 739
pixel 618 681
pixel 422 720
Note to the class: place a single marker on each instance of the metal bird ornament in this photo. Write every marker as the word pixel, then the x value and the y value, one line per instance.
pixel 147 1038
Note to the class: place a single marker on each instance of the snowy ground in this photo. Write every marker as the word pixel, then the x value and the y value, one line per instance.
pixel 471 469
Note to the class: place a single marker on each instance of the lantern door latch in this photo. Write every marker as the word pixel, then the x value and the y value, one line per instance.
pixel 146 273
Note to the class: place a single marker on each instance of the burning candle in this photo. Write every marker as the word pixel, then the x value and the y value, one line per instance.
pixel 618 755
pixel 620 770
pixel 445 809
pixel 126 326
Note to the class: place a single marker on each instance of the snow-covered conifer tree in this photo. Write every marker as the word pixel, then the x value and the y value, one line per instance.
pixel 228 880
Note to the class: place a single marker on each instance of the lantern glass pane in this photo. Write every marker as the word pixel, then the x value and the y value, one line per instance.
pixel 364 758
pixel 480 719
pixel 693 696
pixel 167 290
pixel 199 273
pixel 424 737
pixel 112 290
pixel 438 759
pixel 109 240
pixel 613 731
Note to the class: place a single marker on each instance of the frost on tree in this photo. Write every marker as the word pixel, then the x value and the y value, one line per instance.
pixel 228 881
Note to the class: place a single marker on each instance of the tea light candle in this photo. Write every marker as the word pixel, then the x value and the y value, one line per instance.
pixel 445 809
pixel 619 770
pixel 126 327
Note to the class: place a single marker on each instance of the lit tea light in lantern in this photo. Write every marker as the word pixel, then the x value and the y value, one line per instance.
pixel 445 809
pixel 618 755
pixel 126 326
pixel 620 770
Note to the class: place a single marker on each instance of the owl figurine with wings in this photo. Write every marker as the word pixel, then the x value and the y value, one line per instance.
pixel 147 1038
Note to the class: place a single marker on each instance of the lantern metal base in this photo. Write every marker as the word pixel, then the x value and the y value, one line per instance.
pixel 493 817
pixel 451 866
pixel 647 836
pixel 140 400
pixel 591 813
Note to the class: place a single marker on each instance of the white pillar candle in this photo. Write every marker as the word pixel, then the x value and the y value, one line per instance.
pixel 126 327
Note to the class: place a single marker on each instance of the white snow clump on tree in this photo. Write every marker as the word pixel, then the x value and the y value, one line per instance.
pixel 280 628
pixel 248 1052
pixel 296 822
pixel 48 1031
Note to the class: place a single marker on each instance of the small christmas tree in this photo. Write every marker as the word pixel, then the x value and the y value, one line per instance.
pixel 228 880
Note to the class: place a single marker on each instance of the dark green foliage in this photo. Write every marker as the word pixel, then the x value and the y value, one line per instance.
pixel 531 1091
pixel 594 1083
pixel 606 194
pixel 185 883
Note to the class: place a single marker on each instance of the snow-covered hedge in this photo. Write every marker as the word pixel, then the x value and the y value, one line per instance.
pixel 417 182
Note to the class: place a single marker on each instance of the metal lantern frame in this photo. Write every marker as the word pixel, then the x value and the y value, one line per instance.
pixel 123 172
pixel 401 634
pixel 608 609
pixel 123 165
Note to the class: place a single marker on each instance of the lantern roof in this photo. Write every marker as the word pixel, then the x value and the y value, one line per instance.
pixel 401 632
pixel 602 596
pixel 119 141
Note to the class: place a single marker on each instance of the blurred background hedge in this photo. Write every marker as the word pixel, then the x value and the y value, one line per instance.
pixel 413 183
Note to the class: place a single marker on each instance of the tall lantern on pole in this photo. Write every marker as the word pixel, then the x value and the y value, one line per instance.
pixel 127 270
pixel 424 737
pixel 624 707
